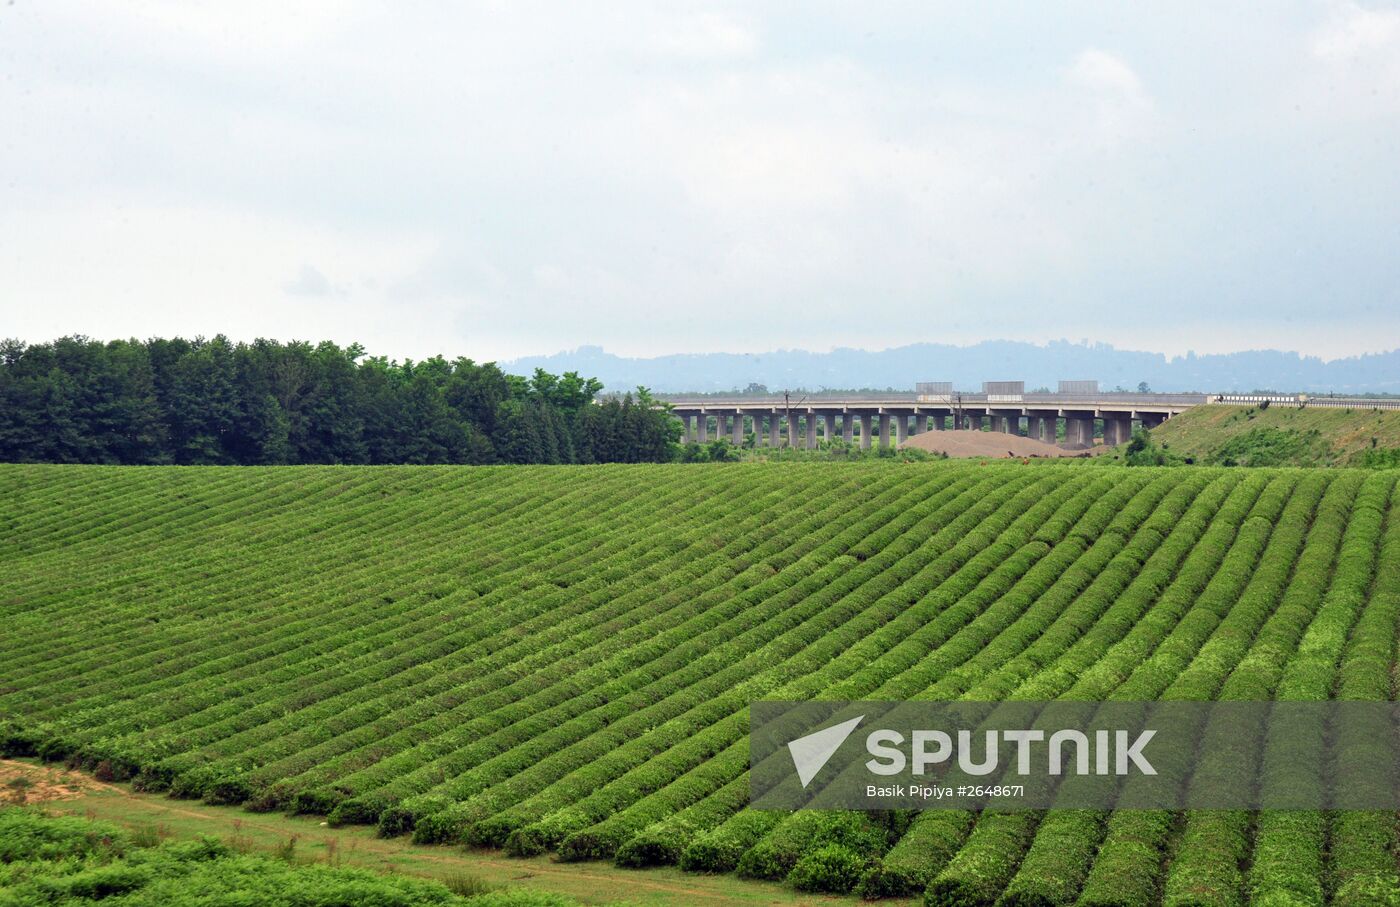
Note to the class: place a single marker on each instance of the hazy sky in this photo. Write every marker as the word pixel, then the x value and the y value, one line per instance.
pixel 510 178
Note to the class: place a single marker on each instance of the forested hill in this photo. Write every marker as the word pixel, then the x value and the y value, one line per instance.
pixel 201 401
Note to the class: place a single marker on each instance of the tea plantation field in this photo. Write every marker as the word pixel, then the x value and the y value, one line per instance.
pixel 560 658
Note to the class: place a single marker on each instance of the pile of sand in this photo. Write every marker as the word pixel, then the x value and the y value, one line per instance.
pixel 986 444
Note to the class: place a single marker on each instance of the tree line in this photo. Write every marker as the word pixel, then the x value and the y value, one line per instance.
pixel 212 401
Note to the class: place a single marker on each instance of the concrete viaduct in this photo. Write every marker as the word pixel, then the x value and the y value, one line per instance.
pixel 880 420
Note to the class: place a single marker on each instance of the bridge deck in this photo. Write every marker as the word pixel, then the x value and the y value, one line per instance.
pixel 1085 416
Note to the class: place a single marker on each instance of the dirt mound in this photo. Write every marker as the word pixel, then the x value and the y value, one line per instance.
pixel 986 444
pixel 23 782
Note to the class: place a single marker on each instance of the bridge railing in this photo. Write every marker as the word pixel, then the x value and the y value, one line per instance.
pixel 1028 400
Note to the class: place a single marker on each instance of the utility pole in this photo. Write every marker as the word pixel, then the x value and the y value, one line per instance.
pixel 787 415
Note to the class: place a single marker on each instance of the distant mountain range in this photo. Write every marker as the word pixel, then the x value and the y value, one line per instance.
pixel 968 366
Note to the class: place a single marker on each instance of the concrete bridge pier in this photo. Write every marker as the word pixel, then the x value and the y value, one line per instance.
pixel 866 421
pixel 884 430
pixel 848 427
pixel 811 431
pixel 1116 430
pixel 773 429
pixel 736 436
pixel 828 427
pixel 792 429
pixel 1079 430
pixel 901 428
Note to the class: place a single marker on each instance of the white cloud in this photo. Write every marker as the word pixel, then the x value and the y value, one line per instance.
pixel 508 178
pixel 309 282
pixel 701 36
pixel 148 271
pixel 1355 32
pixel 1122 109
pixel 1355 67
pixel 1102 71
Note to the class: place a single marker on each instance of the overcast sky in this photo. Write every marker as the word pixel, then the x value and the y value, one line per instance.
pixel 511 178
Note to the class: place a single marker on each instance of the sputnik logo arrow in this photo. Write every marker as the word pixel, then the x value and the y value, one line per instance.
pixel 811 752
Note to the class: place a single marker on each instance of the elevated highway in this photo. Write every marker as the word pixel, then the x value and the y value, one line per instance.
pixel 1072 421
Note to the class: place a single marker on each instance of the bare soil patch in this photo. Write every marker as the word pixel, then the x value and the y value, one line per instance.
pixel 963 443
pixel 23 783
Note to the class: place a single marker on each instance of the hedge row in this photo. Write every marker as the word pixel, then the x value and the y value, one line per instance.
pixel 785 597
pixel 1130 581
pixel 988 861
pixel 866 597
pixel 562 659
pixel 1011 567
pixel 664 841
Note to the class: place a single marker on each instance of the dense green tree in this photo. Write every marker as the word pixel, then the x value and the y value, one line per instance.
pixel 211 401
pixel 203 407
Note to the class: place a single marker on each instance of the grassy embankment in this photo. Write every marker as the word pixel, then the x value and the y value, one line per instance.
pixel 1283 436
pixel 313 842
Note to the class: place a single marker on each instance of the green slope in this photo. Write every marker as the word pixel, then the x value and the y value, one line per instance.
pixel 560 658
pixel 1283 436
